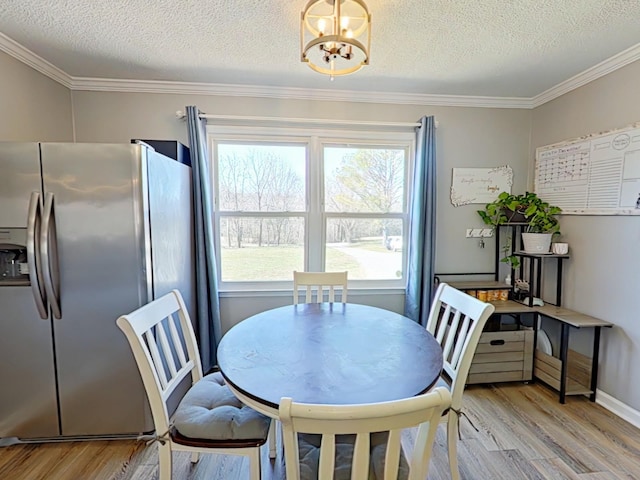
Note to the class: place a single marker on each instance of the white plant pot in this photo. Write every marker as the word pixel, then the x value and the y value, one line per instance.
pixel 536 242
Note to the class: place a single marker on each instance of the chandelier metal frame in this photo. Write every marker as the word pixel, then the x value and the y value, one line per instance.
pixel 340 37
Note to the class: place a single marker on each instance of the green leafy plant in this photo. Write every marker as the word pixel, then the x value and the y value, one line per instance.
pixel 536 215
pixel 539 216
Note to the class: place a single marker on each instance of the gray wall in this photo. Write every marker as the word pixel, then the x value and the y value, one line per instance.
pixel 32 106
pixel 466 137
pixel 601 278
pixel 603 274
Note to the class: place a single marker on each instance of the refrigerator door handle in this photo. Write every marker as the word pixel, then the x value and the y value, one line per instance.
pixel 49 252
pixel 33 255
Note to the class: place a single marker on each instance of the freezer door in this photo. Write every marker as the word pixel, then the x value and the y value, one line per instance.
pixel 102 246
pixel 20 167
pixel 28 405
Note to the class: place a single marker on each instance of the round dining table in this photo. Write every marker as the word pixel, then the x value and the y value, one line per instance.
pixel 327 353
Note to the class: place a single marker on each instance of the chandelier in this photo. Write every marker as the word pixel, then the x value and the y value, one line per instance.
pixel 335 36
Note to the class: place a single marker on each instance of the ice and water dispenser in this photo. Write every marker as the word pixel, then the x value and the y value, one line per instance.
pixel 14 269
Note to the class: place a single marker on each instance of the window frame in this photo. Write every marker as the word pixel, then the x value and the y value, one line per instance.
pixel 314 215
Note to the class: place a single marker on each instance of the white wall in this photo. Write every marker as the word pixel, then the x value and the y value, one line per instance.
pixel 603 274
pixel 466 137
pixel 33 107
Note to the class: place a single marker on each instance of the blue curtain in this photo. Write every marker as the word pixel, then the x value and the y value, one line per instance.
pixel 208 329
pixel 422 225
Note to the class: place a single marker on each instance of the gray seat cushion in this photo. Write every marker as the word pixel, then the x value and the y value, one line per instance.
pixel 377 463
pixel 309 454
pixel 210 411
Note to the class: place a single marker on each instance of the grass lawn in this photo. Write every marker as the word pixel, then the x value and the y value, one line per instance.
pixel 277 263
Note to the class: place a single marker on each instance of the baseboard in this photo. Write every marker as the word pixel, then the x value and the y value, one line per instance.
pixel 615 406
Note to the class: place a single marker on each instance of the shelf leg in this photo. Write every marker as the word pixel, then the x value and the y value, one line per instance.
pixel 536 322
pixel 497 262
pixel 564 354
pixel 532 268
pixel 594 363
pixel 559 283
pixel 537 264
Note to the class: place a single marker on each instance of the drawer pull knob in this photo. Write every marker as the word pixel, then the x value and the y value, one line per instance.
pixel 496 342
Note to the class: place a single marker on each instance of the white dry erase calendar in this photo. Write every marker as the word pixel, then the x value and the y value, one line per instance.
pixel 598 174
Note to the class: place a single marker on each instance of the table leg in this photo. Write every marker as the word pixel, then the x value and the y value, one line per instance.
pixel 594 363
pixel 564 351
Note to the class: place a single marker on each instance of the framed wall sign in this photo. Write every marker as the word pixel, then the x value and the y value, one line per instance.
pixel 479 185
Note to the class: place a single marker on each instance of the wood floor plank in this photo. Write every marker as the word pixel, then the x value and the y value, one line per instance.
pixel 524 433
pixel 554 469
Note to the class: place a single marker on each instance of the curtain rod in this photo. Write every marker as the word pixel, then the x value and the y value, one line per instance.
pixel 181 114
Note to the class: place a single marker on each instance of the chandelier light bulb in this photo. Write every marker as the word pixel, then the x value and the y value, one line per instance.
pixel 344 22
pixel 322 24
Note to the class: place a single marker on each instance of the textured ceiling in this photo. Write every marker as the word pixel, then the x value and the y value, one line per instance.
pixel 498 48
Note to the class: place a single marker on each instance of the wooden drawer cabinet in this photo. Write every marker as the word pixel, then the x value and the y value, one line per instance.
pixel 504 356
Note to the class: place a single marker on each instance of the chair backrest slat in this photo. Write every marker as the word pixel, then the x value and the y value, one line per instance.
pixel 463 333
pixel 361 454
pixel 175 340
pixel 317 283
pixel 452 328
pixel 440 328
pixel 327 460
pixel 150 336
pixel 167 354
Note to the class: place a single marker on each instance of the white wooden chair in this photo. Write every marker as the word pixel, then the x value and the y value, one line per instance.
pixel 316 283
pixel 209 418
pixel 456 320
pixel 360 441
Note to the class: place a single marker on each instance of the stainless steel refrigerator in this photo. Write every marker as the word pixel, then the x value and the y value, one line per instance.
pixel 87 232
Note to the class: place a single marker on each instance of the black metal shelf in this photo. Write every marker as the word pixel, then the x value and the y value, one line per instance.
pixel 534 263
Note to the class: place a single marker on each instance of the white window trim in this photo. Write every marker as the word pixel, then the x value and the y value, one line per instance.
pixel 314 217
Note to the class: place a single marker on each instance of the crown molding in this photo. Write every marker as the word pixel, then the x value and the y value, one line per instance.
pixel 185 88
pixel 609 65
pixel 29 58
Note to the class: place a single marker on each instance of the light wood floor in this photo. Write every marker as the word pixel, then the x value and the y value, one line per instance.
pixel 524 434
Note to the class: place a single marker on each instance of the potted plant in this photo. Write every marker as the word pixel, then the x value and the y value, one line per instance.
pixel 537 217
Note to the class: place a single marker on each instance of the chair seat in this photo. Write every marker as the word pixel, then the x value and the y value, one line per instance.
pixel 210 411
pixel 309 454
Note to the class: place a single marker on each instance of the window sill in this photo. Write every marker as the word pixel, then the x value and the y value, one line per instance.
pixel 289 293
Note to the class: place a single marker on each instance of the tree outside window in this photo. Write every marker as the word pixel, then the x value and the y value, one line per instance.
pixel 271 196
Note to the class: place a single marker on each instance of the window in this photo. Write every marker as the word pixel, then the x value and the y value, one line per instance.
pixel 322 201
